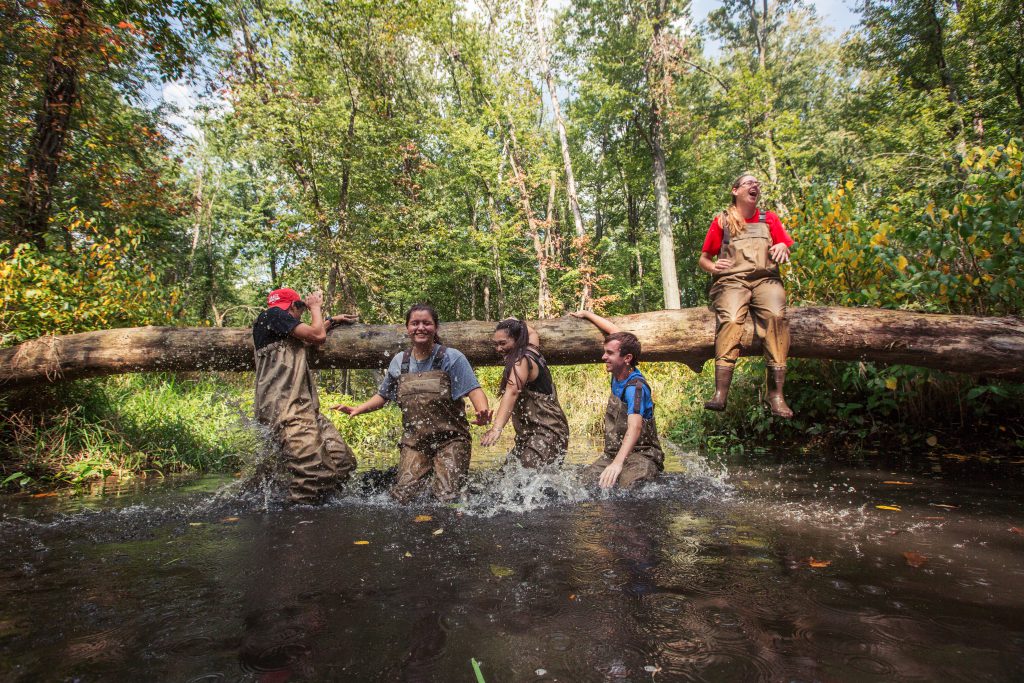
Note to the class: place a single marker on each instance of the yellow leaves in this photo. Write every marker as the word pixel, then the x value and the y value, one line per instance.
pixel 930 210
pixel 891 508
pixel 422 518
pixel 901 263
pixel 1007 239
pixel 817 564
pixel 879 239
pixel 891 383
pixel 360 543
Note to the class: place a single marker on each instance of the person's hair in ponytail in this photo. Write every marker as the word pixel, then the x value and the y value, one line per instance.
pixel 433 314
pixel 731 219
pixel 517 330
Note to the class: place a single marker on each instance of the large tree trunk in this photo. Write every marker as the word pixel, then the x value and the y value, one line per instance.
pixel 586 288
pixel 658 84
pixel 985 346
pixel 53 121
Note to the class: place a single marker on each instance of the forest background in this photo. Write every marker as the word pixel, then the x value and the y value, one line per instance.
pixel 496 158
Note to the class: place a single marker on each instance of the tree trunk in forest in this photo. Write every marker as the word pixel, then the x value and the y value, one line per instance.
pixel 52 123
pixel 586 289
pixel 666 241
pixel 543 289
pixel 992 347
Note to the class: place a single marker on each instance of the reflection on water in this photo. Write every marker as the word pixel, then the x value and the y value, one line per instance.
pixel 781 569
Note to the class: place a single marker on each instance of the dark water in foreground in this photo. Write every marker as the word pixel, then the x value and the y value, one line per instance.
pixel 771 572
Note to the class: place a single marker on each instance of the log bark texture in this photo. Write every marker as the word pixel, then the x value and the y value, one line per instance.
pixel 992 347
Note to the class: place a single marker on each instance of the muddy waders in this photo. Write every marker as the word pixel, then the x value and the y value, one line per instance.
pixel 542 431
pixel 436 433
pixel 646 459
pixel 752 284
pixel 316 456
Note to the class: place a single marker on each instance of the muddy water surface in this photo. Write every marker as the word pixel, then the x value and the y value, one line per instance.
pixel 781 568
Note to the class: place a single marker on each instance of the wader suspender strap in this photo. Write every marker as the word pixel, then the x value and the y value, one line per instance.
pixel 762 217
pixel 638 395
pixel 436 365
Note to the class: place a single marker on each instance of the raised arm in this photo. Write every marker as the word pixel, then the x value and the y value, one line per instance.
pixel 603 324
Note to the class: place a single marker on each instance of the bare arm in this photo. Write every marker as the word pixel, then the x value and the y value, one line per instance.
pixel 316 331
pixel 713 267
pixel 534 338
pixel 375 403
pixel 479 400
pixel 603 324
pixel 508 400
pixel 610 475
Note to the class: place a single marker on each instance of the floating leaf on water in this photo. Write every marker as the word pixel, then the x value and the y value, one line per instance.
pixel 360 543
pixel 894 508
pixel 407 554
pixel 500 572
pixel 572 597
pixel 540 672
pixel 931 440
pixel 652 669
pixel 195 524
pixel 914 559
pixel 899 483
pixel 438 532
pixel 51 494
pixel 1016 530
pixel 229 520
pixel 945 506
pixel 818 564
pixel 306 521
pixel 423 518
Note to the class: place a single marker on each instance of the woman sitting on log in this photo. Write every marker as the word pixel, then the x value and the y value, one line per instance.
pixel 429 382
pixel 528 398
pixel 750 244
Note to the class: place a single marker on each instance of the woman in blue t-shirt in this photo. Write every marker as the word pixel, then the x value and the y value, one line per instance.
pixel 428 382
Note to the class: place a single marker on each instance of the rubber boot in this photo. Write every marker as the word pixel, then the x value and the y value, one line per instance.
pixel 723 378
pixel 776 401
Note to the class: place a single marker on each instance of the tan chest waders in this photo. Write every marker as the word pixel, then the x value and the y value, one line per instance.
pixel 542 430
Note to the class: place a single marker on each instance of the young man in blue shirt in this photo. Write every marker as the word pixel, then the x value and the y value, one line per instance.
pixel 632 451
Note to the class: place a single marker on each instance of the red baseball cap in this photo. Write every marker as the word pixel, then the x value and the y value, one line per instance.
pixel 283 298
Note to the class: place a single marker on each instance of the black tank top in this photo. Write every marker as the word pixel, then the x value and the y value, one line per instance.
pixel 543 383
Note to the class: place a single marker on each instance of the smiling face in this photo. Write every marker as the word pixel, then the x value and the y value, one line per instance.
pixel 746 191
pixel 421 328
pixel 614 361
pixel 503 342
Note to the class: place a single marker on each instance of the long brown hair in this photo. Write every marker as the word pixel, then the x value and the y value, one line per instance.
pixel 520 335
pixel 731 218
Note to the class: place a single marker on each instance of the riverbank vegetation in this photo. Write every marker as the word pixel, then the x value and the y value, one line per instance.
pixel 497 159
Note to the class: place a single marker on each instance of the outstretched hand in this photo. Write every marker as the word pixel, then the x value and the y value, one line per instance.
pixel 610 475
pixel 348 410
pixel 345 318
pixel 482 418
pixel 490 437
pixel 579 314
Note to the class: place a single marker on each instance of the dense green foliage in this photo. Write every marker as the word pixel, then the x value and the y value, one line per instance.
pixel 389 152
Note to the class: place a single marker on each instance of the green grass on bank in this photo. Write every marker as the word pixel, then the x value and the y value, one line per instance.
pixel 79 432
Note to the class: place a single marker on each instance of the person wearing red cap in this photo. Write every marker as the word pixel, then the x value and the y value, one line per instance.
pixel 317 458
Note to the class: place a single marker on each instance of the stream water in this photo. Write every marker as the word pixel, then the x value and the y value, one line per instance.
pixel 774 568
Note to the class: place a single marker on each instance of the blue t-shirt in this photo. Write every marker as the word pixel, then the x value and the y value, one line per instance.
pixel 460 373
pixel 646 400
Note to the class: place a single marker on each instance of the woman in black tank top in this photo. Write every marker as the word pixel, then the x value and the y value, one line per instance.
pixel 528 398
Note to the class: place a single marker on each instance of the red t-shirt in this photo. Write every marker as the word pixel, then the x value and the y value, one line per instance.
pixel 713 241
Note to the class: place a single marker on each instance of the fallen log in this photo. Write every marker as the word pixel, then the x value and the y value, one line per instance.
pixel 992 347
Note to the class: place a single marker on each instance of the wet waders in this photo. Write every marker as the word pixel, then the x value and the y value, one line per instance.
pixel 542 430
pixel 436 433
pixel 646 459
